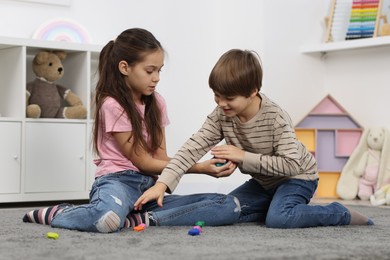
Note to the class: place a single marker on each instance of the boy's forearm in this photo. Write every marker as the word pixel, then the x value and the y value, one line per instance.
pixel 196 168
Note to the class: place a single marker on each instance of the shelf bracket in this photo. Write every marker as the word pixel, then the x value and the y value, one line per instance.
pixel 324 55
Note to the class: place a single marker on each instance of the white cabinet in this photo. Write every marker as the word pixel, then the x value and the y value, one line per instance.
pixel 56 157
pixel 44 159
pixel 10 157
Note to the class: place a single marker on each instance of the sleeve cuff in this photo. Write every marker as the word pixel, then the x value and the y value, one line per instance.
pixel 169 179
pixel 251 162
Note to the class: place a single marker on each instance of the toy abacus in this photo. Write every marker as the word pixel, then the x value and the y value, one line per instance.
pixel 364 19
pixel 353 19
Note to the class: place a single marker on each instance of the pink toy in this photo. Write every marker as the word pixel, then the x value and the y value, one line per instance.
pixel 198 228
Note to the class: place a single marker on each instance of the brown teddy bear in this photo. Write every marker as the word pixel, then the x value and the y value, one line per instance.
pixel 45 97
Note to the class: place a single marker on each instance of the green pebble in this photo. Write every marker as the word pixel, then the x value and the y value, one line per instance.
pixel 199 223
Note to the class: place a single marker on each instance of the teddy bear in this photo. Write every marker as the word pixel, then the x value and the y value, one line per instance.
pixel 381 196
pixel 367 168
pixel 45 98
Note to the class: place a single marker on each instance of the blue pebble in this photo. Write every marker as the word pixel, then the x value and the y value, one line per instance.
pixel 220 164
pixel 194 232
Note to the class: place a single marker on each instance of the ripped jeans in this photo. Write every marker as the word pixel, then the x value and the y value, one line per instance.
pixel 113 196
pixel 286 206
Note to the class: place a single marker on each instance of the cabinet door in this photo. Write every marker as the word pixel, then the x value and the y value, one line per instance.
pixel 55 157
pixel 10 140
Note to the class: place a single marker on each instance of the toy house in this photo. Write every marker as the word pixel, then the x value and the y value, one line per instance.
pixel 331 134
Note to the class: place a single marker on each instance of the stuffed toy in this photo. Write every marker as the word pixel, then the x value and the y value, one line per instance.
pixel 368 167
pixel 381 196
pixel 45 98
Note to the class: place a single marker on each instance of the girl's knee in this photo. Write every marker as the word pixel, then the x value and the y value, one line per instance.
pixel 109 222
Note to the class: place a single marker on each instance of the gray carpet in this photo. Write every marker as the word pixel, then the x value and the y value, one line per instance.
pixel 20 240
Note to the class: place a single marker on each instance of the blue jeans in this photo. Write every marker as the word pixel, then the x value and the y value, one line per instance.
pixel 113 196
pixel 286 206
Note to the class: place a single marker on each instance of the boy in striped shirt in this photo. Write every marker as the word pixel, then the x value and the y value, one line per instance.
pixel 261 141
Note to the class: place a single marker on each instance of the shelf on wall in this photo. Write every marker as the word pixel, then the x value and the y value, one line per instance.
pixel 346 45
pixel 8 42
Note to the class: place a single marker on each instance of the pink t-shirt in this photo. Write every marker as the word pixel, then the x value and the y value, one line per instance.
pixel 111 158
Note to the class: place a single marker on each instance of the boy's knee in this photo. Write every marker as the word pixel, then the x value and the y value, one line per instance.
pixel 238 206
pixel 279 220
pixel 109 222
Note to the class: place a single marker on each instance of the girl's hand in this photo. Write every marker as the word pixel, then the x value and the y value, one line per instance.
pixel 229 152
pixel 156 192
pixel 210 167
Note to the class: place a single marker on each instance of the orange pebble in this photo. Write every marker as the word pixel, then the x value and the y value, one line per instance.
pixel 139 228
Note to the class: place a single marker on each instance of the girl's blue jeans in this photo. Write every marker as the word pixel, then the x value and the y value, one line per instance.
pixel 286 206
pixel 113 196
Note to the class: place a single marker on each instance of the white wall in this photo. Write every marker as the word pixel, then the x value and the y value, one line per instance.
pixel 196 32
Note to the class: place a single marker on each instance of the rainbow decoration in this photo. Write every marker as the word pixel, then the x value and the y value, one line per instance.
pixel 363 19
pixel 62 30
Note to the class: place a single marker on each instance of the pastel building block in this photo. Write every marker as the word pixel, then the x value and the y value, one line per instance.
pixel 307 137
pixel 327 185
pixel 326 159
pixel 346 141
pixel 331 135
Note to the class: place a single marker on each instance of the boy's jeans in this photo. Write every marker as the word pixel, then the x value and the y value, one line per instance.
pixel 286 205
pixel 113 196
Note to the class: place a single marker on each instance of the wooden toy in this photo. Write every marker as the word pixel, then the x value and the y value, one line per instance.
pixel 353 19
pixel 331 135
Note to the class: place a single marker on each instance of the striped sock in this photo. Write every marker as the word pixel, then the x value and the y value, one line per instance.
pixel 135 219
pixel 44 215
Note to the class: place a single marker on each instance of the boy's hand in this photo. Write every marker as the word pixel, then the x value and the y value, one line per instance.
pixel 156 192
pixel 211 168
pixel 229 152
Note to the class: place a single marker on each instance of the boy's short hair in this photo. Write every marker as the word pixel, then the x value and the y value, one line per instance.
pixel 237 73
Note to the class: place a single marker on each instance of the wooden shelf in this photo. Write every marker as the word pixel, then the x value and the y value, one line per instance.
pixel 346 45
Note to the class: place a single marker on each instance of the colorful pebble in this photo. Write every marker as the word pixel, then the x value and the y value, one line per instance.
pixel 199 223
pixel 194 232
pixel 199 228
pixel 140 227
pixel 52 235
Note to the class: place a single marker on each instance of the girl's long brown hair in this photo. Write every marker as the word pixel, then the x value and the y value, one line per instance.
pixel 131 46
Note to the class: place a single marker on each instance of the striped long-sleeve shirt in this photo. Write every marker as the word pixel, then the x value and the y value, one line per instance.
pixel 272 151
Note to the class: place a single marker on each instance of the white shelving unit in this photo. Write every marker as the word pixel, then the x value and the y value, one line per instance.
pixel 324 48
pixel 44 159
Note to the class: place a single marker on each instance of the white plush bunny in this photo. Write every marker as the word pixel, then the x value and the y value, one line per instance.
pixel 367 168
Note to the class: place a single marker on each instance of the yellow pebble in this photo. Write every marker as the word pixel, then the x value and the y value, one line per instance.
pixel 52 235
